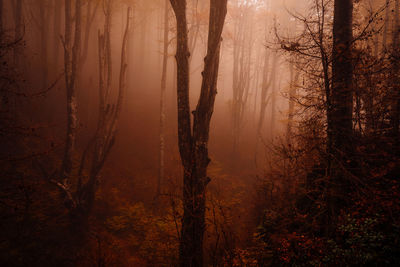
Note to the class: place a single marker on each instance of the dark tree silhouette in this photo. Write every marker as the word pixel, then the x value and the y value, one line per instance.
pixel 193 144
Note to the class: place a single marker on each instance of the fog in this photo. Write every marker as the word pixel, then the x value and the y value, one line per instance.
pixel 92 161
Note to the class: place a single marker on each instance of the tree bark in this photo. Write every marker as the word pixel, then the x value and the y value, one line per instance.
pixel 340 111
pixel 386 26
pixel 194 148
pixel 342 71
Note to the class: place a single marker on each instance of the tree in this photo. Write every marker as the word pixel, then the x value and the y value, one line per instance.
pixel 395 109
pixel 193 143
pixel 56 33
pixel 71 57
pixel 18 30
pixel 242 53
pixel 162 98
pixel 294 77
pixel 342 79
pixel 1 18
pixel 80 201
pixel 90 16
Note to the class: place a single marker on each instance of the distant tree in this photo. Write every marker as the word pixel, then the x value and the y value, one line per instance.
pixel 91 11
pixel 1 18
pixel 242 55
pixel 56 33
pixel 163 98
pixel 18 30
pixel 395 91
pixel 193 143
pixel 72 46
pixel 294 77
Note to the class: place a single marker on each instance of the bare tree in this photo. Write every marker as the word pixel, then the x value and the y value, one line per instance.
pixel 56 33
pixel 80 202
pixel 193 144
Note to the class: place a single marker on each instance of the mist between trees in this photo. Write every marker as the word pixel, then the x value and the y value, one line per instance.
pixel 199 133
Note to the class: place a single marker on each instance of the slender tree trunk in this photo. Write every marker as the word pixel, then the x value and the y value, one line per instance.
pixel 18 31
pixel 342 71
pixel 268 75
pixel 90 16
pixel 1 18
pixel 195 30
pixel 44 29
pixel 194 148
pixel 71 54
pixel 109 112
pixel 294 76
pixel 242 52
pixel 274 91
pixel 386 26
pixel 395 116
pixel 340 114
pixel 162 100
pixel 56 33
pixel 143 39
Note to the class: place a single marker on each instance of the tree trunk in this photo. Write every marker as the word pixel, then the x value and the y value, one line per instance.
pixel 162 100
pixel 90 15
pixel 395 107
pixel 18 32
pixel 268 75
pixel 43 29
pixel 274 91
pixel 242 41
pixel 386 26
pixel 340 124
pixel 294 76
pixel 194 148
pixel 56 33
pixel 109 112
pixel 1 19
pixel 71 53
pixel 342 71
